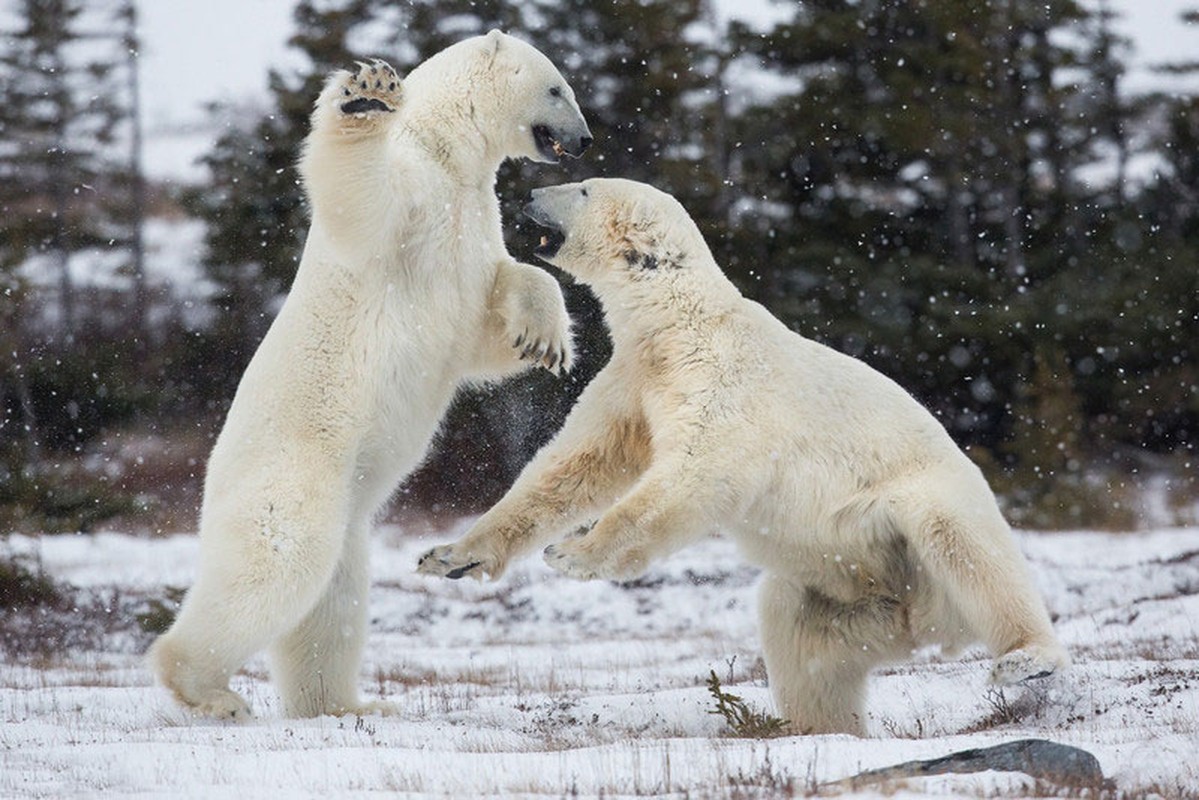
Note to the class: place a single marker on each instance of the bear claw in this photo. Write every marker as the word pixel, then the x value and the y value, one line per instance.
pixel 1028 664
pixel 364 104
pixel 444 562
pixel 458 572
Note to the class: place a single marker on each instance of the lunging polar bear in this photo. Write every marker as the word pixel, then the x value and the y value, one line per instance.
pixel 404 292
pixel 876 534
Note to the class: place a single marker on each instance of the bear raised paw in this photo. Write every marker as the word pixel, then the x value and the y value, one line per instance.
pixel 374 88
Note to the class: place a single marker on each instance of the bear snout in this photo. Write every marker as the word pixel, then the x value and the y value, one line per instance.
pixel 581 144
pixel 536 210
pixel 553 142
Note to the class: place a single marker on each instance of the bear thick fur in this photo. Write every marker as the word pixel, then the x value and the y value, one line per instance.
pixel 405 292
pixel 877 535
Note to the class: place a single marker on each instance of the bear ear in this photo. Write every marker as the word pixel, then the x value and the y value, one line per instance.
pixel 494 38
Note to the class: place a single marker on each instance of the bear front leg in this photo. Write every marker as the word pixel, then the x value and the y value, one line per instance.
pixel 534 511
pixel 657 518
pixel 598 453
pixel 345 155
pixel 527 322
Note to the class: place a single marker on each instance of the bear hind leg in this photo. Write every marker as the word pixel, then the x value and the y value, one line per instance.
pixel 819 653
pixel 199 677
pixel 965 546
pixel 218 629
pixel 316 663
pixel 259 575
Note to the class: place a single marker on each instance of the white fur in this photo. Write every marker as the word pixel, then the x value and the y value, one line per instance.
pixel 404 292
pixel 876 533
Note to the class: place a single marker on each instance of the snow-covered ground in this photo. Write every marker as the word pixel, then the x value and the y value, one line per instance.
pixel 539 686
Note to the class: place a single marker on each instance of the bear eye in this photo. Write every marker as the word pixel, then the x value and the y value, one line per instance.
pixel 584 191
pixel 555 92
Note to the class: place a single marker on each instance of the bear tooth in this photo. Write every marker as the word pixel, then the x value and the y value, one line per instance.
pixel 545 240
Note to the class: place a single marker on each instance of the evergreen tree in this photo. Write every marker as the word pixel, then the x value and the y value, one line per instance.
pixel 1150 380
pixel 253 203
pixel 60 114
pixel 58 119
pixel 647 98
pixel 906 220
pixel 64 366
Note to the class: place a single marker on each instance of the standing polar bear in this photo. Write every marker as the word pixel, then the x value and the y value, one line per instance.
pixel 405 291
pixel 876 534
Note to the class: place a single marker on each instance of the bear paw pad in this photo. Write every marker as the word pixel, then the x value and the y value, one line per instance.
pixel 373 89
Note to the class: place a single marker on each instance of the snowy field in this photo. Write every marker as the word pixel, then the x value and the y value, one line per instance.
pixel 541 687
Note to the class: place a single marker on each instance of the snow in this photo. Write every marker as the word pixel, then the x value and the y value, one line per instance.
pixel 539 686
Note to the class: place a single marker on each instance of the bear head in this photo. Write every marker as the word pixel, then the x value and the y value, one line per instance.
pixel 507 92
pixel 609 232
pixel 548 122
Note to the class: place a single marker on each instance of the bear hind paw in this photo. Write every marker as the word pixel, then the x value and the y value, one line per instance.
pixel 219 704
pixel 374 708
pixel 1028 663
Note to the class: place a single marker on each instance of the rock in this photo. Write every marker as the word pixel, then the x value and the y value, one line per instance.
pixel 1038 758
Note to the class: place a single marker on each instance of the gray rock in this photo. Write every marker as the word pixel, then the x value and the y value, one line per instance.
pixel 1041 759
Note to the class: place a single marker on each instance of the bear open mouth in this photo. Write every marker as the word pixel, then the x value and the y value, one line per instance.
pixel 554 237
pixel 551 242
pixel 547 145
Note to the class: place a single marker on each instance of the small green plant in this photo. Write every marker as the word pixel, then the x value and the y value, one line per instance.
pixel 744 721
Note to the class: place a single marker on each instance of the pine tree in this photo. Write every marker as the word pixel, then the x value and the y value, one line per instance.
pixel 912 200
pixel 65 369
pixel 1107 68
pixel 907 220
pixel 253 203
pixel 646 97
pixel 1175 198
pixel 58 118
pixel 1151 391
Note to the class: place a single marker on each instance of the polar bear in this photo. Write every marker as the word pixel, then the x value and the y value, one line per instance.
pixel 404 292
pixel 876 534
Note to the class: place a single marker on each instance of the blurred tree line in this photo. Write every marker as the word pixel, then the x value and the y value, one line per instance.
pixel 956 192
